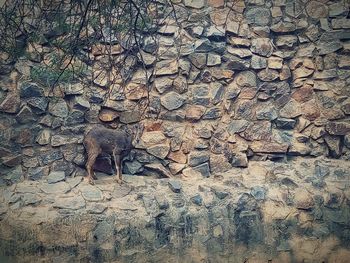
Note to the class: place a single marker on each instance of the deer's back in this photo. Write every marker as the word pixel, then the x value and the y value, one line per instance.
pixel 108 140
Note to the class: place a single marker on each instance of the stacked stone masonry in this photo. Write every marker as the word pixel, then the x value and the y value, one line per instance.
pixel 225 83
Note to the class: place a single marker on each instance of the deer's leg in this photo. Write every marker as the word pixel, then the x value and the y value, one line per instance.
pixel 89 166
pixel 118 167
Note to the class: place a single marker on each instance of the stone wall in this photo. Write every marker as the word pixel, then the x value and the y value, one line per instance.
pixel 225 82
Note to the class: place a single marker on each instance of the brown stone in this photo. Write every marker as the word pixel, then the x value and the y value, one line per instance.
pixel 310 110
pixel 316 9
pixel 291 110
pixel 216 3
pixel 303 199
pixel 166 67
pixel 285 73
pixel 107 115
pixel 12 160
pixel 135 91
pixel 302 72
pixel 275 62
pixel 219 163
pixel 218 73
pixel 333 144
pixel 338 128
pixel 268 74
pixel 152 137
pixel 175 168
pixel 259 130
pixel 11 103
pixel 268 147
pixel 303 94
pixel 195 112
pixel 178 157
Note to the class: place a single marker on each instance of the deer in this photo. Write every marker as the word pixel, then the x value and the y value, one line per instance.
pixel 117 143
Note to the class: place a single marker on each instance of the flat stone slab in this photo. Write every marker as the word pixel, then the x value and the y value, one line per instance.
pixel 55 177
pixel 58 188
pixel 91 193
pixel 72 203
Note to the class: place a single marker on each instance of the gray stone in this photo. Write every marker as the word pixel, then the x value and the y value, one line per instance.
pixel 266 112
pixel 74 89
pixel 337 9
pixel 197 199
pixel 14 175
pixel 197 4
pixel 37 173
pixel 283 27
pixel 81 104
pixel 217 91
pixel 133 167
pixel 172 100
pixel 95 208
pixel 38 104
pixel 321 170
pixel 75 117
pixel 50 156
pixel 56 176
pixel 203 169
pixel 325 48
pixel 258 130
pixel 159 168
pixel 268 74
pixel 58 188
pixel 220 193
pixel 213 60
pixel 160 150
pixel 236 63
pixel 58 108
pixel 316 9
pixel 166 67
pixel 175 186
pixel 246 79
pixel 149 44
pixel 199 60
pixel 44 137
pixel 239 52
pixel 284 123
pixel 197 157
pixel 258 192
pixel 71 203
pixel 59 140
pixel 334 146
pixel 28 90
pixel 237 126
pixel 286 41
pixel 30 199
pixel 291 110
pixel 212 113
pixel 258 62
pixel 215 32
pixel 129 117
pixel 25 115
pixel 260 16
pixel 91 193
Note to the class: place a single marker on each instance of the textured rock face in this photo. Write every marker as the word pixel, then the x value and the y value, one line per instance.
pixel 225 84
pixel 240 214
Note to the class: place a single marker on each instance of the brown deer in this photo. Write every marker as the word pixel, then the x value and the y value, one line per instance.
pixel 117 143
